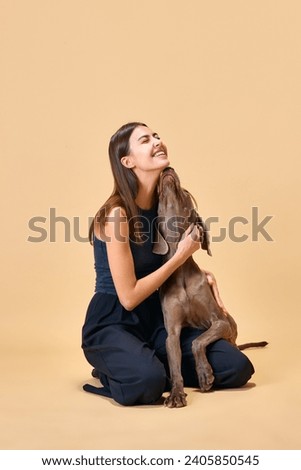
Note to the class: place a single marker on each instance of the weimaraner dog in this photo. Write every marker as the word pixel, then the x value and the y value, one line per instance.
pixel 190 296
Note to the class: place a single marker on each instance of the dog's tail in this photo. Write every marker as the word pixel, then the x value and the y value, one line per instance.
pixel 259 344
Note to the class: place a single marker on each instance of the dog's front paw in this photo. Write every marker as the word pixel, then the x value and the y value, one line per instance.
pixel 176 399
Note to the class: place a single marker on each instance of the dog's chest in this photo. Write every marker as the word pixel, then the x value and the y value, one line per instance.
pixel 188 300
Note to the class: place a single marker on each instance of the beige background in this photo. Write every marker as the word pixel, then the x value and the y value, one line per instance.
pixel 220 81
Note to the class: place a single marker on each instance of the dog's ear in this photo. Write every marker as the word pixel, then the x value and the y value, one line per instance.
pixel 160 245
pixel 205 241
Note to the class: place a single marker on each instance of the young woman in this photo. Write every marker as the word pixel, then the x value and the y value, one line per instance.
pixel 123 335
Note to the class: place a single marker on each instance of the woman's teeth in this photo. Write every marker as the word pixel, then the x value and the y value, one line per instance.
pixel 159 154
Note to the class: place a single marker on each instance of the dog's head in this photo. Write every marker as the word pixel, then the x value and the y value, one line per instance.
pixel 176 212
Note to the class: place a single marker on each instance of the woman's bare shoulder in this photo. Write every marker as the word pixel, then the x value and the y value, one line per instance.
pixel 115 212
pixel 115 217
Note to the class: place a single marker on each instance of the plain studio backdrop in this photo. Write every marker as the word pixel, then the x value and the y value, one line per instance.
pixel 220 82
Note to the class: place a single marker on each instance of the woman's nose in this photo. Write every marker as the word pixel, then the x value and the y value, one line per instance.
pixel 156 141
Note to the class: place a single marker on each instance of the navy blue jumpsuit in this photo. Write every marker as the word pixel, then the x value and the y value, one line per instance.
pixel 127 348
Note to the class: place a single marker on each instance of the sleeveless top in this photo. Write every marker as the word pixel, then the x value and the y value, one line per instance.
pixel 105 309
pixel 145 261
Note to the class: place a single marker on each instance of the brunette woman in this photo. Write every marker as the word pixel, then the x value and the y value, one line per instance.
pixel 123 336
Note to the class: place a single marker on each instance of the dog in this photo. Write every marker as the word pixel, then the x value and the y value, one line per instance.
pixel 190 295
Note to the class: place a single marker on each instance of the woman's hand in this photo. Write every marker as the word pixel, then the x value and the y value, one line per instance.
pixel 190 243
pixel 213 284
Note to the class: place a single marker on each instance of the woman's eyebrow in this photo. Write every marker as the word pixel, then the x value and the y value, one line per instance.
pixel 155 134
pixel 143 136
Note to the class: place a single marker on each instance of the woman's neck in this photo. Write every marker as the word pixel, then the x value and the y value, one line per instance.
pixel 145 199
pixel 146 194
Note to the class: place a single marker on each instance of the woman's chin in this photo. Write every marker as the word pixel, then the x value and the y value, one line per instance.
pixel 163 163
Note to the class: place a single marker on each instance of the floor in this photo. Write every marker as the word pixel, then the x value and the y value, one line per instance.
pixel 44 407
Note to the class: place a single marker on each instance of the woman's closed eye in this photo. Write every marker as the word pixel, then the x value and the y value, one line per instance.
pixel 147 138
pixel 144 139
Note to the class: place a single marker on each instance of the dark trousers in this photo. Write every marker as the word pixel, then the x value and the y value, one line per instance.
pixel 134 372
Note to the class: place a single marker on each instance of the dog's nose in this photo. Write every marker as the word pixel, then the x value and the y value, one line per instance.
pixel 167 169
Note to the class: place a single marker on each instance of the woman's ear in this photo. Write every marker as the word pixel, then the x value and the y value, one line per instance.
pixel 127 162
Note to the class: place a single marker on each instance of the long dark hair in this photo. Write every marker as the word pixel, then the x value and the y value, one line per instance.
pixel 125 182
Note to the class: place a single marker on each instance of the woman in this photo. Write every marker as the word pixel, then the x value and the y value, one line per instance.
pixel 123 336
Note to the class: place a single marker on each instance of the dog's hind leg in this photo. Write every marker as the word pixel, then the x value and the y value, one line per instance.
pixel 219 329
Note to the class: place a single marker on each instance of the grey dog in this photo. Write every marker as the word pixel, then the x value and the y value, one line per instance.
pixel 190 295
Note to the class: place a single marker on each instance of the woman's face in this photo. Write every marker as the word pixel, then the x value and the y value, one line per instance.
pixel 147 151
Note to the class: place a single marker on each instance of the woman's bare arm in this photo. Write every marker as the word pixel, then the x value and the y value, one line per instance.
pixel 130 290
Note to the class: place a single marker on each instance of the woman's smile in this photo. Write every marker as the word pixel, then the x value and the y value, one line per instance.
pixel 160 154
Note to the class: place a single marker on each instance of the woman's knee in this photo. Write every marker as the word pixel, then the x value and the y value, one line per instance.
pixel 230 366
pixel 144 389
pixel 236 375
pixel 243 371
